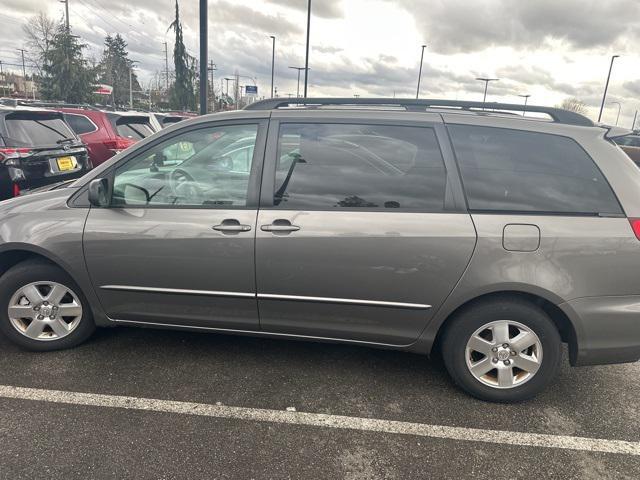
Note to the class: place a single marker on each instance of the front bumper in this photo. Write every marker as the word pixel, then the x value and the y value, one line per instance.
pixel 607 329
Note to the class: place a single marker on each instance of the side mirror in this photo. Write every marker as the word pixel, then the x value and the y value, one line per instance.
pixel 99 192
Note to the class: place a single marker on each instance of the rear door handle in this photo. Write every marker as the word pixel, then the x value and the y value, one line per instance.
pixel 280 226
pixel 231 226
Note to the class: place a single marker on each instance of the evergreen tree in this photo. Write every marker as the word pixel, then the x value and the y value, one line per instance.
pixel 114 69
pixel 183 94
pixel 67 75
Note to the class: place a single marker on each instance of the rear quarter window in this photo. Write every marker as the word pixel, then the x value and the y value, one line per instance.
pixel 513 170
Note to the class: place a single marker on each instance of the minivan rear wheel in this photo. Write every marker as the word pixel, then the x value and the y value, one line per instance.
pixel 502 350
pixel 42 308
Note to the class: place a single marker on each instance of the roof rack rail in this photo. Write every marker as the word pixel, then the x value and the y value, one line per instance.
pixel 558 115
pixel 38 103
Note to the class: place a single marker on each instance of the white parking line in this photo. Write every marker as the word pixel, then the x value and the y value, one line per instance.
pixel 324 420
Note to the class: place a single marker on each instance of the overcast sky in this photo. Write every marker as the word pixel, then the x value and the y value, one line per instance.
pixel 551 49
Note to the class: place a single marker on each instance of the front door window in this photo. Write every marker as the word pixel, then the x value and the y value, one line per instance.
pixel 205 167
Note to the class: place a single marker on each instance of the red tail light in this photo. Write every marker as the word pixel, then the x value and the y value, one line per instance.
pixel 118 143
pixel 14 152
pixel 16 190
pixel 635 226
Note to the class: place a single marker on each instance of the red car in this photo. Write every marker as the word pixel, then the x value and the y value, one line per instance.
pixel 106 133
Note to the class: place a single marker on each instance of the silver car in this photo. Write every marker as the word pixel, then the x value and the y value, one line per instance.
pixel 428 226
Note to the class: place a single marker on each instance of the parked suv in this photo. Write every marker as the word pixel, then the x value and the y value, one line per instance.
pixel 37 148
pixel 107 133
pixel 418 225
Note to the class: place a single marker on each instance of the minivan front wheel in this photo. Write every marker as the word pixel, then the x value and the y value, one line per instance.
pixel 41 307
pixel 502 350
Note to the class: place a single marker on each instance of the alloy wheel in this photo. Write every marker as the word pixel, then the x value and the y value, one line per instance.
pixel 45 311
pixel 503 354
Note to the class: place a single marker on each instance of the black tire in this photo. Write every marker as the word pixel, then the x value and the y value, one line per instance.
pixel 465 323
pixel 31 271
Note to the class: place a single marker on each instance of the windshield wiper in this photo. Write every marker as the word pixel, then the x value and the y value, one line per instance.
pixel 65 140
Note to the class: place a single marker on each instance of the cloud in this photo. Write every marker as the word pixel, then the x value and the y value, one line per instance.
pixel 452 26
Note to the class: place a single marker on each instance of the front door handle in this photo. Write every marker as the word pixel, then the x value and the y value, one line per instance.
pixel 231 226
pixel 280 226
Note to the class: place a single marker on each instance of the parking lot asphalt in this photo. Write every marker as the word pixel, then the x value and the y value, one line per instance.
pixel 45 439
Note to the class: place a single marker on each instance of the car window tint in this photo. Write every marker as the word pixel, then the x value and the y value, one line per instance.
pixel 513 170
pixel 204 167
pixel 79 123
pixel 33 129
pixel 330 166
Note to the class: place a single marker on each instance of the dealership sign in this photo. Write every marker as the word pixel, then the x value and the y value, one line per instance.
pixel 251 89
pixel 103 89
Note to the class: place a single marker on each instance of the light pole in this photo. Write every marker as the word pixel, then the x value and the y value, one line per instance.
pixel 606 87
pixel 633 125
pixel 273 61
pixel 203 57
pixel 306 58
pixel 420 71
pixel 486 85
pixel 619 108
pixel 526 98
pixel 299 69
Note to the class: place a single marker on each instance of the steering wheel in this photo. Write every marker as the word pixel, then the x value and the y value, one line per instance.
pixel 184 187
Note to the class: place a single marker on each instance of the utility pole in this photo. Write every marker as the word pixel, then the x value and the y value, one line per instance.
pixel 633 125
pixel 212 68
pixel 24 71
pixel 526 97
pixel 273 61
pixel 420 72
pixel 130 88
pixel 306 59
pixel 66 14
pixel 166 64
pixel 606 87
pixel 203 57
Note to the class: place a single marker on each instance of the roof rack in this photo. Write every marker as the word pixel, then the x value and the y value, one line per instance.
pixel 31 103
pixel 558 115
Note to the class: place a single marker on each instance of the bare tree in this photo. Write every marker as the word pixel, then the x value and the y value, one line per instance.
pixel 40 30
pixel 574 105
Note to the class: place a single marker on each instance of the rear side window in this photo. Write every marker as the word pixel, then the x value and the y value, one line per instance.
pixel 334 166
pixel 512 170
pixel 35 129
pixel 79 123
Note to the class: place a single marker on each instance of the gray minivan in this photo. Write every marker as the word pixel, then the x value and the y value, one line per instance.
pixel 418 225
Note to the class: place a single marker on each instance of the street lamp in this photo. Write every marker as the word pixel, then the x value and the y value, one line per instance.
pixel 273 61
pixel 486 85
pixel 420 72
pixel 606 87
pixel 633 125
pixel 299 69
pixel 526 97
pixel 306 59
pixel 619 108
